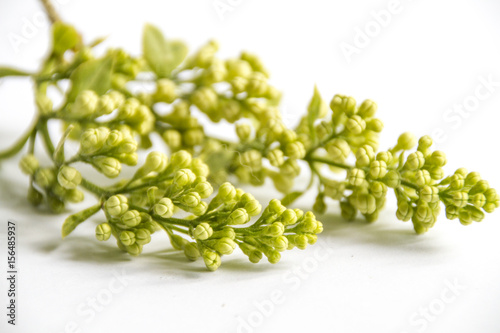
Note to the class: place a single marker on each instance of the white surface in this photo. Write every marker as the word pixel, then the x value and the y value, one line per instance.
pixel 359 277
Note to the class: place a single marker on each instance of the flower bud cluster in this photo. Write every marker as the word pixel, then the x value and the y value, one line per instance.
pixel 58 184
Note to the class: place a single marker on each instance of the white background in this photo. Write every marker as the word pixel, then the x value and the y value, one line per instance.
pixel 358 277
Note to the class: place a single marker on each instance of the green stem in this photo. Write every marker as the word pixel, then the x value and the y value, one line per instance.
pixel 20 142
pixel 42 127
pixel 93 188
pixel 312 159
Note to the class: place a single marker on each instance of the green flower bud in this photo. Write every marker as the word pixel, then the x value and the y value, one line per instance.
pixel 436 173
pixel 45 177
pixel 191 251
pixel 252 159
pixel 460 199
pixel 177 241
pixel 280 243
pixel 225 246
pixel 385 156
pixel 422 177
pixel 476 214
pixel 378 189
pixel 348 211
pixel 253 207
pixel 238 68
pixel 276 157
pixel 338 149
pixel 457 182
pixel 295 150
pixel 127 146
pixel 429 194
pixel 131 218
pixel 155 162
pixel 343 104
pixel 452 212
pixel 105 105
pixel 191 200
pixel 438 158
pixel 109 166
pixel 29 164
pixel 366 203
pixel 34 196
pixel 375 125
pixel 415 161
pixel 74 196
pixel 356 177
pixel 472 179
pixel 378 169
pixel 212 260
pixel 424 143
pixel 239 84
pixel 68 177
pixel 200 209
pixel 253 254
pixel 355 125
pixel 274 230
pixel 238 216
pixel 114 139
pixel 184 177
pixel 226 193
pixel 199 168
pixel 142 236
pixel 273 256
pixel 103 232
pixel 85 103
pixel 465 217
pixel 255 62
pixel 334 189
pixel 93 139
pixel 116 205
pixel 181 159
pixel 480 187
pixel 127 237
pixel 462 172
pixel 202 231
pixel 257 85
pixel 478 200
pixel 244 131
pixel 205 99
pixel 204 189
pixel 134 249
pixel 290 169
pixel 164 208
pixel 308 224
pixel 193 137
pixel 300 241
pixel 319 205
pixel 225 232
pixel 165 91
pixel 392 179
pixel 172 138
pixel 405 211
pixel 424 213
pixel 406 141
pixel 367 109
pixel 364 156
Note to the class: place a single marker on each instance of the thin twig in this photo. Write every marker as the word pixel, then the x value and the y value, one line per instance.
pixel 51 11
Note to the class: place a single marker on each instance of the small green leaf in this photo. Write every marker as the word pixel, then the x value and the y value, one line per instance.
pixel 91 75
pixel 315 110
pixel 291 197
pixel 74 220
pixel 6 71
pixel 59 152
pixel 161 55
pixel 65 37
